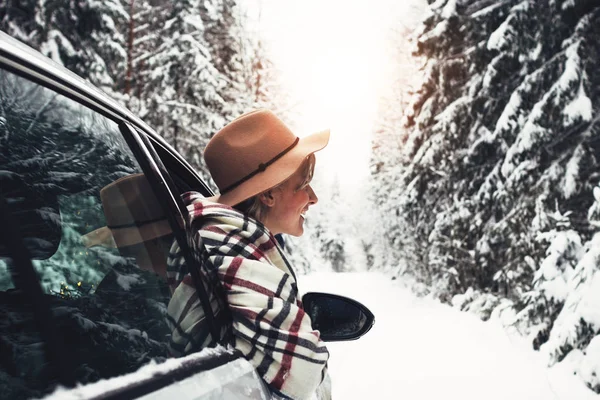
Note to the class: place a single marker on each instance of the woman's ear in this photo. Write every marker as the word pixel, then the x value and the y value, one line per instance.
pixel 267 198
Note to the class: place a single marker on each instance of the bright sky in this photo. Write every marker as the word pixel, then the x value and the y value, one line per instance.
pixel 333 56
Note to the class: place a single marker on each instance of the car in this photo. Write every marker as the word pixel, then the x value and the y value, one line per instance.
pixel 78 308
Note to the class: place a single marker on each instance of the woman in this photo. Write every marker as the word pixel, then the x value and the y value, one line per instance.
pixel 263 173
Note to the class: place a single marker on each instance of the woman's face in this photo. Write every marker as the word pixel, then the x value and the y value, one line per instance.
pixel 290 202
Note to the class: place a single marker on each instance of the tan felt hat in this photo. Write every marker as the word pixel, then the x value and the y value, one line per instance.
pixel 255 152
pixel 133 214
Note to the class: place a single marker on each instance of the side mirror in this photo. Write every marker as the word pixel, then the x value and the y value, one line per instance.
pixel 337 317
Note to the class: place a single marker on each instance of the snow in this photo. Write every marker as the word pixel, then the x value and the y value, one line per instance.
pixel 421 349
pixel 439 30
pixel 511 110
pixel 572 72
pixel 428 152
pixel 501 37
pixel 594 210
pixel 582 304
pixel 589 369
pixel 449 9
pixel 497 39
pixel 485 136
pixel 125 281
pixel 534 55
pixel 194 21
pixel 555 271
pixel 236 380
pixel 580 108
pixel 103 387
pixel 437 4
pixel 572 172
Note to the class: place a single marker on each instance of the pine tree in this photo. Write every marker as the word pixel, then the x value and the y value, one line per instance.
pixel 84 36
pixel 182 88
pixel 501 157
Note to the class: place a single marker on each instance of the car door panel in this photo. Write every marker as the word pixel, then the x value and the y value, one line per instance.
pixel 236 380
pixel 216 373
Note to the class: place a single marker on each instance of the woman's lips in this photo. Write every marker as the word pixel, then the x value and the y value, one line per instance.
pixel 303 213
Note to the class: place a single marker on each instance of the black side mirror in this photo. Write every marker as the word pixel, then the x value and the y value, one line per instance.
pixel 337 317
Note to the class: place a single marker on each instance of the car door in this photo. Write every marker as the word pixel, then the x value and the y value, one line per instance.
pixel 78 306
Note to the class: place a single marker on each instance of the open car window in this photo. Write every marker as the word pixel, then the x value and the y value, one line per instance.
pixel 99 246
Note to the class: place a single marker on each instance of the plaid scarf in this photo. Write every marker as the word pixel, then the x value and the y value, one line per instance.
pixel 254 296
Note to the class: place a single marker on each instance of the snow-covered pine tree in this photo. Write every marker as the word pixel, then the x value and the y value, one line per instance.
pixel 390 245
pixel 502 154
pixel 188 67
pixel 233 51
pixel 192 69
pixel 476 147
pixel 575 330
pixel 182 89
pixel 84 36
pixel 17 18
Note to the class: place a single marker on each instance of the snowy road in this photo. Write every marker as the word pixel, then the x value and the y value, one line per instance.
pixel 420 349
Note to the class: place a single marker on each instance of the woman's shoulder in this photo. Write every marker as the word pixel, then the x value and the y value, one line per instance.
pixel 200 206
pixel 205 214
pixel 218 223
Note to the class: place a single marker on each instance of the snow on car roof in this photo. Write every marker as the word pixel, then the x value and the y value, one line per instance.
pixel 145 373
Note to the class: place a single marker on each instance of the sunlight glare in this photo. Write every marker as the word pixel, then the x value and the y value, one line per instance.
pixel 332 56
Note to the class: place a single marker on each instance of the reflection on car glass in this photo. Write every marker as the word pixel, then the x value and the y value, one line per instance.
pixel 56 156
pixel 55 153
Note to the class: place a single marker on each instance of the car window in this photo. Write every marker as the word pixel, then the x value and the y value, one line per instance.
pixel 182 177
pixel 97 236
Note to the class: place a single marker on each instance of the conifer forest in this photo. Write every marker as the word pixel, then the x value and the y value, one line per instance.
pixel 484 175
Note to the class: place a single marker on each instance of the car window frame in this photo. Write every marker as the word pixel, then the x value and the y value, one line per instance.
pixel 145 154
pixel 180 222
pixel 176 165
pixel 27 69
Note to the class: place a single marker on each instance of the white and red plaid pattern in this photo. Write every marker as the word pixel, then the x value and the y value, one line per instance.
pixel 266 319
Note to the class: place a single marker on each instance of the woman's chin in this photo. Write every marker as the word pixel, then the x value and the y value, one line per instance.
pixel 297 233
pixel 299 230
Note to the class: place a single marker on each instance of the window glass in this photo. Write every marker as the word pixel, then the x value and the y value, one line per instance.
pixel 98 237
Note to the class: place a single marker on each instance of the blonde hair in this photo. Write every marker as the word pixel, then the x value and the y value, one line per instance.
pixel 256 209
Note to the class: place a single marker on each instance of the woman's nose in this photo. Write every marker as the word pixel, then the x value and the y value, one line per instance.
pixel 312 196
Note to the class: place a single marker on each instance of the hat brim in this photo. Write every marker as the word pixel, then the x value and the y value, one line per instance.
pixel 277 172
pixel 129 236
pixel 99 237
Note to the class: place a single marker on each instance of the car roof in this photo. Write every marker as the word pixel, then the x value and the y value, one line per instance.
pixel 19 57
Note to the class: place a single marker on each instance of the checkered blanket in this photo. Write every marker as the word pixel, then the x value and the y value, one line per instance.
pixel 262 315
